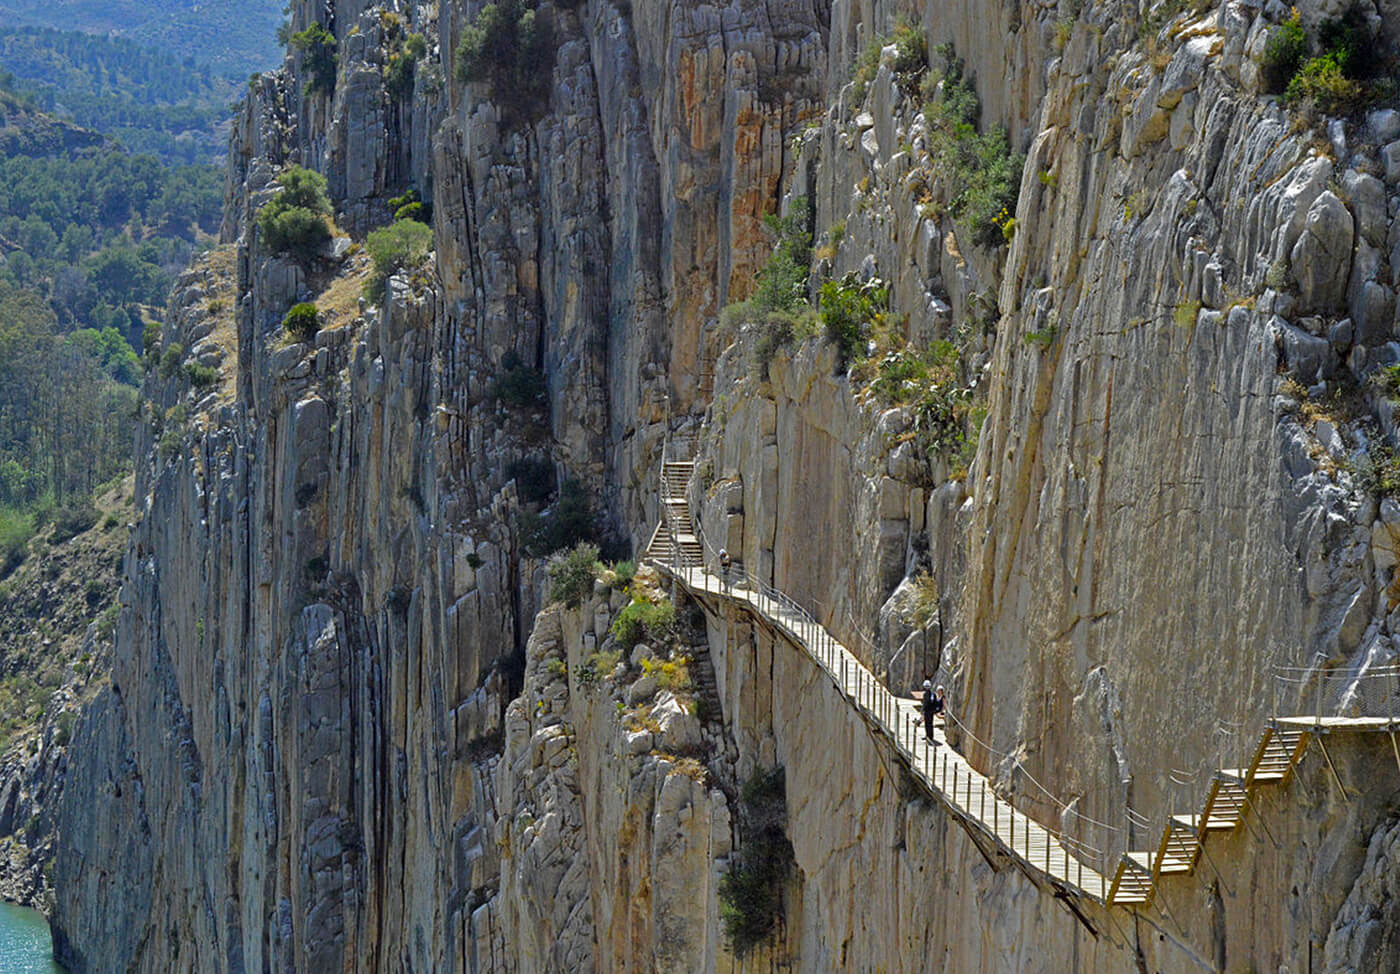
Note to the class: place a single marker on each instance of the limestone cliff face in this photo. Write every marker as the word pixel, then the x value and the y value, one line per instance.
pixel 340 737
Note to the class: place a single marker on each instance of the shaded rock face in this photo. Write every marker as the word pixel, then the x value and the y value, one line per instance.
pixel 335 739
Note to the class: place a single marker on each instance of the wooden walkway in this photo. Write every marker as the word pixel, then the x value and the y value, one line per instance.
pixel 1043 853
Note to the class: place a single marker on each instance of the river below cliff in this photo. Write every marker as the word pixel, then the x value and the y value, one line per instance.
pixel 25 944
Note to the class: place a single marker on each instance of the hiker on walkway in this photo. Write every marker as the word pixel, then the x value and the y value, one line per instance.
pixel 929 703
pixel 724 563
pixel 940 701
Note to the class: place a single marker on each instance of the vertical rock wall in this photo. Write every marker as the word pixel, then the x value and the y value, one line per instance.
pixel 330 740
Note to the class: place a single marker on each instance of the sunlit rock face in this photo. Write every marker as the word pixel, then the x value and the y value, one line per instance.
pixel 346 731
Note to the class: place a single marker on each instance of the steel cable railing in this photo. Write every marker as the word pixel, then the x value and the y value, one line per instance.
pixel 1051 849
pixel 1320 692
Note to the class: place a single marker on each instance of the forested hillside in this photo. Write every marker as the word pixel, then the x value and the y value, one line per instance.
pixel 90 237
pixel 175 108
pixel 245 29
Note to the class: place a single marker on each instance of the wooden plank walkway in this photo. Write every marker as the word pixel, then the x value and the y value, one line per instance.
pixel 943 772
pixel 1044 854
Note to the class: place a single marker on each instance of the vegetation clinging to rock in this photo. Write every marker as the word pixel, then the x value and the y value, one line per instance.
pixel 302 321
pixel 511 47
pixel 318 57
pixel 571 574
pixel 751 889
pixel 294 221
pixel 402 244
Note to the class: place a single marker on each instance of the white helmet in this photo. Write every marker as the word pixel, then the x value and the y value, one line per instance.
pixel 927 684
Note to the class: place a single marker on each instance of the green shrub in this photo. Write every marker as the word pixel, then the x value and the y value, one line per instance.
pixel 651 621
pixel 318 57
pixel 171 442
pixel 598 666
pixel 510 47
pixel 1386 381
pixel 1323 81
pixel 782 282
pixel 201 376
pixel 404 243
pixel 866 67
pixel 293 230
pixel 302 321
pixel 1283 55
pixel 778 305
pixel 981 173
pixel 1353 41
pixel 847 309
pixel 910 57
pixel 571 574
pixel 72 519
pixel 751 889
pixel 16 528
pixel 569 522
pixel 1378 472
pixel 410 206
pixel 519 385
pixel 294 221
pixel 623 573
pixel 63 731
pixel 170 360
pixel 150 337
pixel 107 621
pixel 775 330
pixel 401 68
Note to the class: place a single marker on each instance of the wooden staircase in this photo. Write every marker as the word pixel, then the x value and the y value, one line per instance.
pixel 1279 750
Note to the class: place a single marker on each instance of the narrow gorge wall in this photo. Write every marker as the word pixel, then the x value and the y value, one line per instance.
pixel 344 732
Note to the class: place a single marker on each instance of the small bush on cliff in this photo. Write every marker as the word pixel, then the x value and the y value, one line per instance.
pixel 1345 76
pixel 644 621
pixel 568 523
pixel 849 307
pixel 404 243
pixel 170 360
pixel 910 57
pixel 402 66
pixel 294 221
pixel 1283 54
pixel 511 47
pixel 518 385
pixel 318 57
pixel 1322 82
pixel 302 322
pixel 751 889
pixel 571 574
pixel 410 206
pixel 777 309
pixel 981 174
pixel 201 377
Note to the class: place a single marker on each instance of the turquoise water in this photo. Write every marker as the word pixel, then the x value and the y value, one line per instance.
pixel 25 944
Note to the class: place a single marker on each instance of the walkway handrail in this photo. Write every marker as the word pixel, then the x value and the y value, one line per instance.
pixel 746 579
pixel 1042 850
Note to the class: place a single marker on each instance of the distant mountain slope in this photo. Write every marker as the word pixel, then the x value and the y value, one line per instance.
pixel 130 91
pixel 26 131
pixel 234 37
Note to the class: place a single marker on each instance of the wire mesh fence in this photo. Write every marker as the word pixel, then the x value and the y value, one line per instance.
pixel 1323 689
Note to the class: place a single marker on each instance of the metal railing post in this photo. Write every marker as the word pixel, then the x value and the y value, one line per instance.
pixel 1317 714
